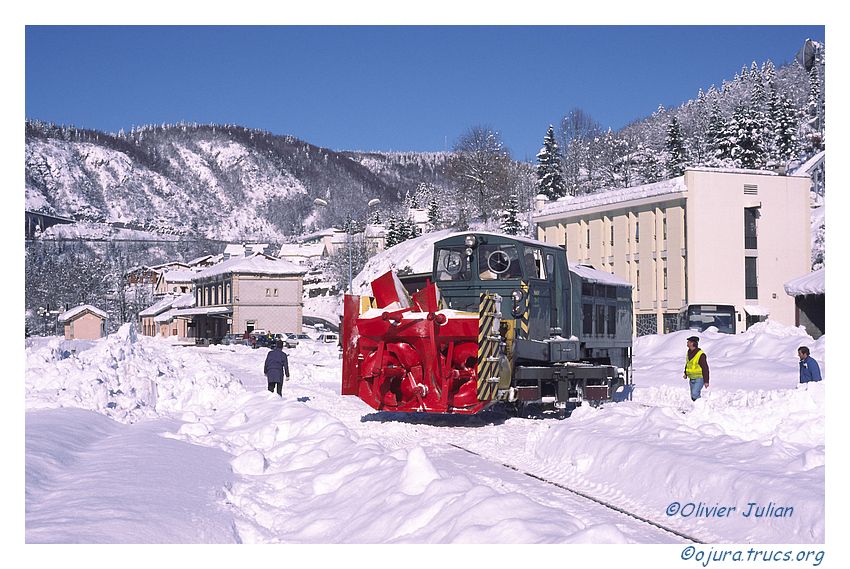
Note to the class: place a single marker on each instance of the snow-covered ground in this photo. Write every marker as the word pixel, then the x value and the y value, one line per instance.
pixel 134 439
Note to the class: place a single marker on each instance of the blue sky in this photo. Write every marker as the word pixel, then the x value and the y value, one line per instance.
pixel 388 87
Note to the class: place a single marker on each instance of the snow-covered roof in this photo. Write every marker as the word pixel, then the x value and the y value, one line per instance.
pixel 595 275
pixel 177 307
pixel 375 230
pixel 165 266
pixel 185 300
pixel 301 250
pixel 234 249
pixel 161 306
pixel 199 260
pixel 77 310
pixel 569 203
pixel 256 264
pixel 813 283
pixel 178 276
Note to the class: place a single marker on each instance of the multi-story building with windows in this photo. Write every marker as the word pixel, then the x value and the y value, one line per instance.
pixel 709 238
pixel 243 294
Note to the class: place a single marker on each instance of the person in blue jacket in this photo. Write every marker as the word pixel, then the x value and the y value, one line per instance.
pixel 276 366
pixel 809 369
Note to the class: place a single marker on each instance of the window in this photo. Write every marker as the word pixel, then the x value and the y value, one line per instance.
pixel 611 242
pixel 751 214
pixel 751 287
pixel 268 292
pixel 637 279
pixel 600 319
pixel 501 262
pixel 637 231
pixel 664 225
pixel 275 292
pixel 587 319
pixel 588 239
pixel 453 264
pixel 534 267
pixel 612 320
pixel 550 264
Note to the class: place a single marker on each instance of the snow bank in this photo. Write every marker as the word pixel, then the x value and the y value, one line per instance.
pixel 764 357
pixel 755 436
pixel 729 451
pixel 124 376
pixel 307 478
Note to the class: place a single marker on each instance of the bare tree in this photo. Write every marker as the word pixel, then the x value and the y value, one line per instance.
pixel 578 131
pixel 480 167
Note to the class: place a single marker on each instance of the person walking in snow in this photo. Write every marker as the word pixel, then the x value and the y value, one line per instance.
pixel 809 368
pixel 696 368
pixel 276 366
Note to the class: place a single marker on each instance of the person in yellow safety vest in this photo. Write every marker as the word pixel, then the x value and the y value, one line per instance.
pixel 696 368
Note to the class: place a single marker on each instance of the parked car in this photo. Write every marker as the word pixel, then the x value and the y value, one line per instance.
pixel 262 339
pixel 234 340
pixel 328 338
pixel 303 336
pixel 289 339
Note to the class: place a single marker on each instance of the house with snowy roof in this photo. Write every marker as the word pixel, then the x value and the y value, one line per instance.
pixel 174 282
pixel 302 253
pixel 242 294
pixel 708 238
pixel 809 292
pixel 147 324
pixel 84 322
pixel 170 323
pixel 204 261
pixel 244 250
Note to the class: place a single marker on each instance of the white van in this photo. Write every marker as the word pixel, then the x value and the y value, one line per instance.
pixel 328 338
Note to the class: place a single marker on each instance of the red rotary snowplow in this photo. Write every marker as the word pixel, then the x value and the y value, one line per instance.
pixel 408 354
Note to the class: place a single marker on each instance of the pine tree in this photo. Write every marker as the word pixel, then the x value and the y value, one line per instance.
pixel 550 178
pixel 433 213
pixel 676 160
pixel 785 144
pixel 392 236
pixel 814 112
pixel 509 222
pixel 746 149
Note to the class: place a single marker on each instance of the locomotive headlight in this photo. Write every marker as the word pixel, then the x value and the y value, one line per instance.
pixel 517 296
pixel 470 242
pixel 468 251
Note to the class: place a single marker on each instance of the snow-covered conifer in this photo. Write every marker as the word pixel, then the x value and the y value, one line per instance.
pixel 550 178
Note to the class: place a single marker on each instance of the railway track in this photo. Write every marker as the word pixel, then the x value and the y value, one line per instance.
pixel 584 495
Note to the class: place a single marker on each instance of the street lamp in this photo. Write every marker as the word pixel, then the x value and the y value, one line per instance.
pixel 373 202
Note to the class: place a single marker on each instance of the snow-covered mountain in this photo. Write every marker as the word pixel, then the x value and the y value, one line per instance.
pixel 223 182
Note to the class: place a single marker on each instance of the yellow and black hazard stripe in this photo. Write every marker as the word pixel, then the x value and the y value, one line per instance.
pixel 522 319
pixel 488 346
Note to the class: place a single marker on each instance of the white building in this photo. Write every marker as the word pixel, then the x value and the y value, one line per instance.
pixel 711 237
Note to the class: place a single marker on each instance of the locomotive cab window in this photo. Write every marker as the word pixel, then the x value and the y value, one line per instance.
pixel 498 262
pixel 534 266
pixel 452 264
